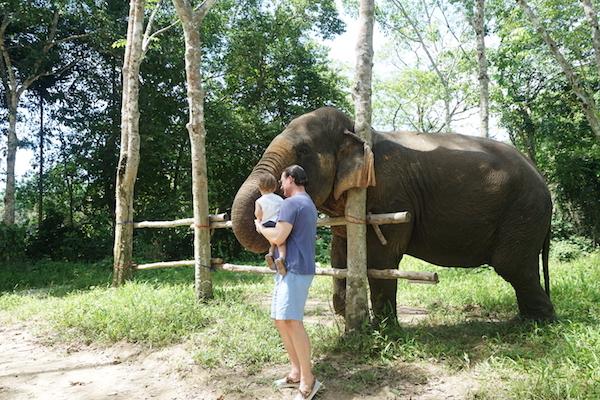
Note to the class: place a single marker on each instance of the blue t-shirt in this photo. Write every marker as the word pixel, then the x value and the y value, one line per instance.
pixel 300 211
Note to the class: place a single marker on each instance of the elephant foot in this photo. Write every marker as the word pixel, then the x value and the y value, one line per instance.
pixel 538 308
pixel 545 317
pixel 339 304
pixel 385 322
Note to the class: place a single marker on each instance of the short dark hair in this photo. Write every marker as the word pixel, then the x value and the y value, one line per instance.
pixel 297 173
pixel 267 182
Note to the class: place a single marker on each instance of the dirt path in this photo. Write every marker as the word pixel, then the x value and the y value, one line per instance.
pixel 31 370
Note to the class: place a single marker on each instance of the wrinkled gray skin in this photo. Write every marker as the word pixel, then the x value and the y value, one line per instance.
pixel 473 201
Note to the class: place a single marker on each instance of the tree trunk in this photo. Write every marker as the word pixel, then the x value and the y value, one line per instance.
pixel 484 80
pixel 191 20
pixel 41 170
pixel 130 146
pixel 590 13
pixel 67 177
pixel 528 134
pixel 357 311
pixel 11 153
pixel 448 117
pixel 586 100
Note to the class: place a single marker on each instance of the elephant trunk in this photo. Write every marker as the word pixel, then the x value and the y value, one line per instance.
pixel 277 157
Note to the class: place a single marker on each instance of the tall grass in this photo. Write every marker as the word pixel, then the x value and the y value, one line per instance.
pixel 469 326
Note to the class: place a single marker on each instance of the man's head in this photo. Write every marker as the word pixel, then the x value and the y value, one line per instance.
pixel 267 183
pixel 293 178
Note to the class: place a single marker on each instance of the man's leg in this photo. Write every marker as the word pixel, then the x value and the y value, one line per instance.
pixel 284 331
pixel 301 344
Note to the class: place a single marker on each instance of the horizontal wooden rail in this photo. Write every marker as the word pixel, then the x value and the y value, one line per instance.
pixel 413 277
pixel 164 264
pixel 215 219
pixel 219 221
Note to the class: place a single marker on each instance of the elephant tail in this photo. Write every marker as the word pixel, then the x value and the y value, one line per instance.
pixel 545 252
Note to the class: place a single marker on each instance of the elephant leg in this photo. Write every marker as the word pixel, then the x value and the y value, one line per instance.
pixel 338 260
pixel 383 300
pixel 384 291
pixel 523 275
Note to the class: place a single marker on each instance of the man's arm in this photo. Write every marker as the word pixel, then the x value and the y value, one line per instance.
pixel 277 235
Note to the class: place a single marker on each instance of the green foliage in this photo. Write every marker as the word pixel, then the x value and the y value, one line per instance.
pixel 12 242
pixel 323 245
pixel 541 113
pixel 59 241
pixel 571 248
pixel 262 68
pixel 432 67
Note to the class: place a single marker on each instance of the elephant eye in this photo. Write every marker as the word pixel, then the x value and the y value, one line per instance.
pixel 303 149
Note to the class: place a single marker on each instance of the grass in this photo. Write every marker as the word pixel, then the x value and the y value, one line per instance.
pixel 469 327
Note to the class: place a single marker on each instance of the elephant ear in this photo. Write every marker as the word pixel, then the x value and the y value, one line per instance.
pixel 355 165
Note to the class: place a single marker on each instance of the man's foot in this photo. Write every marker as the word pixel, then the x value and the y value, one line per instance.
pixel 287 382
pixel 308 393
pixel 280 264
pixel 270 261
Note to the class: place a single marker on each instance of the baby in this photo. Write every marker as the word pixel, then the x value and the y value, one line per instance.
pixel 266 211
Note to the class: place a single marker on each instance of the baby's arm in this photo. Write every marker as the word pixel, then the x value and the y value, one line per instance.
pixel 258 212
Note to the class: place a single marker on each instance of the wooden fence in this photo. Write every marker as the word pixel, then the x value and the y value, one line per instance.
pixel 220 221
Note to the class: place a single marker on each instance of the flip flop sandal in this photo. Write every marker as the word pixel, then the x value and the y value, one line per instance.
pixel 286 382
pixel 306 395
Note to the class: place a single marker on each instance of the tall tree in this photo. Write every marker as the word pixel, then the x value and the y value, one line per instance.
pixel 543 116
pixel 584 96
pixel 28 54
pixel 130 145
pixel 191 19
pixel 137 44
pixel 484 79
pixel 357 309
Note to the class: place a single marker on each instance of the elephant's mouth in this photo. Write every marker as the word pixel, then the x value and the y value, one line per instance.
pixel 332 207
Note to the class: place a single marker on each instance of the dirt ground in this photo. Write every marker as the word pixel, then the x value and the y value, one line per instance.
pixel 31 369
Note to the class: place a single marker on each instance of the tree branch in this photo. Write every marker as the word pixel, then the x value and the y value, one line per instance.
pixel 590 13
pixel 158 32
pixel 422 42
pixel 203 9
pixel 439 5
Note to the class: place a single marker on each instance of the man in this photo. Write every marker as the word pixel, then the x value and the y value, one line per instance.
pixel 297 227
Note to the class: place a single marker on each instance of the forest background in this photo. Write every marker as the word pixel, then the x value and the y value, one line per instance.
pixel 265 63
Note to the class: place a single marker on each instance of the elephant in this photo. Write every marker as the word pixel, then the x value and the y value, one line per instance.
pixel 473 201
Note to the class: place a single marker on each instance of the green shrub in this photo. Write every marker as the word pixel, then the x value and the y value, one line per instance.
pixel 12 242
pixel 323 245
pixel 571 248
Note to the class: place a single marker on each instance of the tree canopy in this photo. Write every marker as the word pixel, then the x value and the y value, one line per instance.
pixel 264 64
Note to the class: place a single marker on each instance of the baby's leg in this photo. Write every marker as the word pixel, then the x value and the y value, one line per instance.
pixel 280 262
pixel 269 257
pixel 282 250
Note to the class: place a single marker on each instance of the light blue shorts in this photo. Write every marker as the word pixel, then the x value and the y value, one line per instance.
pixel 289 296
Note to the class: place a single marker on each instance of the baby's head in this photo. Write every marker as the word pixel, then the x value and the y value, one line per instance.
pixel 267 183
